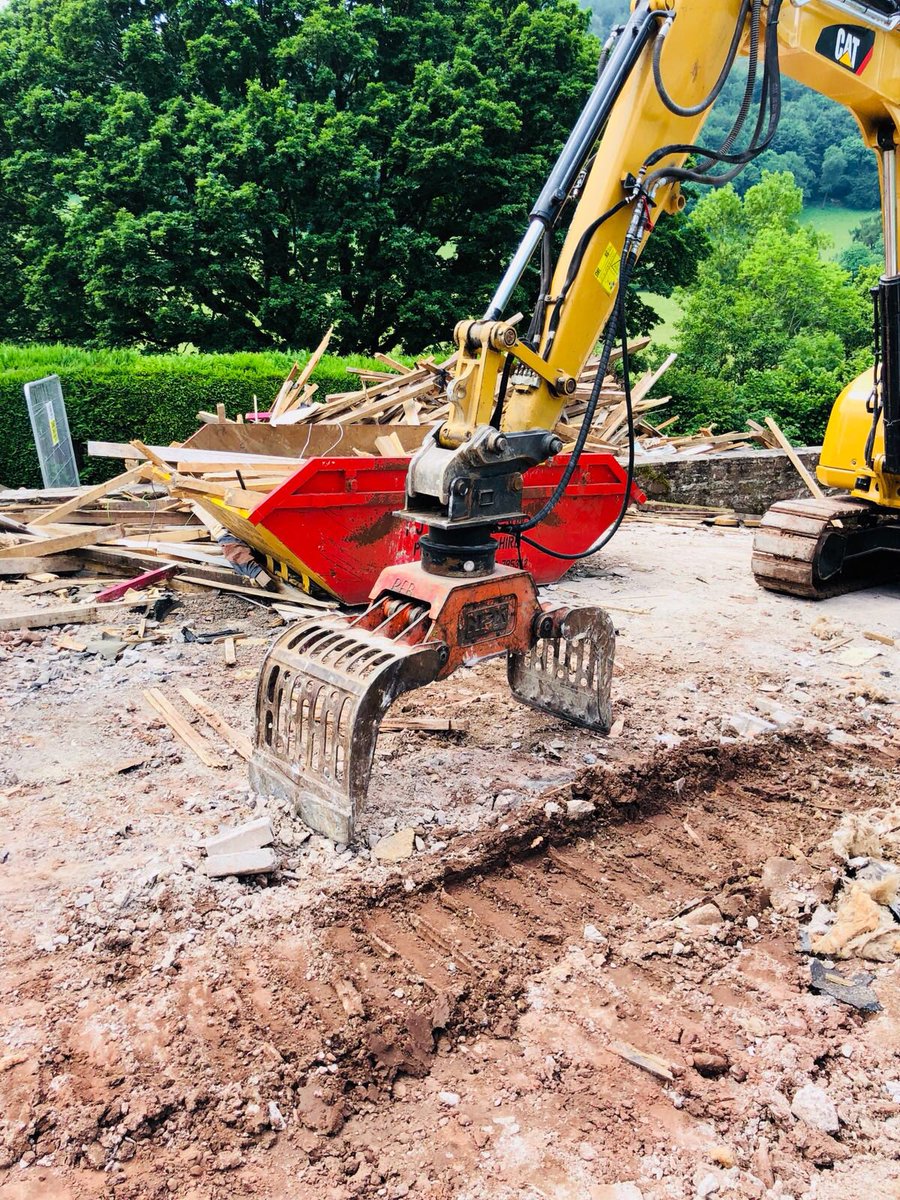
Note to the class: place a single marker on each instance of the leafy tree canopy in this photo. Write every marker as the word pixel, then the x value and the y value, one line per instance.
pixel 238 174
pixel 769 326
pixel 818 140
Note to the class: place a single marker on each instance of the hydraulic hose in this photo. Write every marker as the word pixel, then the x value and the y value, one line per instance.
pixel 694 110
pixel 609 533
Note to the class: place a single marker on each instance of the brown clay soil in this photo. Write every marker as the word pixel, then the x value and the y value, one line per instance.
pixel 462 1025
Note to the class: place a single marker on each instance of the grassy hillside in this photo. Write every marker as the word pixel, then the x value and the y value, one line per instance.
pixel 669 310
pixel 835 222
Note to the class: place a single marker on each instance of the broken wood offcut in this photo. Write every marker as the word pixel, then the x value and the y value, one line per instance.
pixel 182 728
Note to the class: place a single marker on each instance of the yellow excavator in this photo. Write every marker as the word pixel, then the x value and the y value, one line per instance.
pixel 327 682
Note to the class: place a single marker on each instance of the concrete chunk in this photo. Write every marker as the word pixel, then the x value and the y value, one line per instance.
pixel 251 836
pixel 814 1107
pixel 247 862
pixel 396 847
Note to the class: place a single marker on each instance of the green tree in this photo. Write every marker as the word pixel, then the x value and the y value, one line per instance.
pixel 239 175
pixel 768 326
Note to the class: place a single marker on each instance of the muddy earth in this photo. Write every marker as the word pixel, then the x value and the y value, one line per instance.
pixel 590 980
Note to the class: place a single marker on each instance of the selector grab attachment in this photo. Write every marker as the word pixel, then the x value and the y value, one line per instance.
pixel 323 691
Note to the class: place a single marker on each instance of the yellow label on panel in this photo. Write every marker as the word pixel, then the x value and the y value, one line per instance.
pixel 607 272
pixel 54 432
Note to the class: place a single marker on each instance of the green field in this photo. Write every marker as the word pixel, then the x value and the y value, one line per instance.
pixel 835 222
pixel 669 310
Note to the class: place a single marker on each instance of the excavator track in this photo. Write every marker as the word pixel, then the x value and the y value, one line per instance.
pixel 821 548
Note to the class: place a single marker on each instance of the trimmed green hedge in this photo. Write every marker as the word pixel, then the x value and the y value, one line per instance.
pixel 114 396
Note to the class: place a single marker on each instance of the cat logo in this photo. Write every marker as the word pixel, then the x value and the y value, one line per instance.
pixel 850 46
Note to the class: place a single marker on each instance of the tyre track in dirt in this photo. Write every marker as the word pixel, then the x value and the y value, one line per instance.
pixel 322 1012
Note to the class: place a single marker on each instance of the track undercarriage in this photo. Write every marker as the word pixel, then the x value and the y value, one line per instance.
pixel 821 548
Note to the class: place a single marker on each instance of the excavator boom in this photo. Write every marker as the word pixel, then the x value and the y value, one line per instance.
pixel 326 684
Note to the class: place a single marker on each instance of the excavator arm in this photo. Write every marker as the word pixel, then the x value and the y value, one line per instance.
pixel 326 684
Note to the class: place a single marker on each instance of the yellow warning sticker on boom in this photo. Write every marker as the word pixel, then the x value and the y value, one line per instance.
pixel 607 272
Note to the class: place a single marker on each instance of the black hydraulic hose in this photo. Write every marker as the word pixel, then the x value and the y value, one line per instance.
pixel 769 104
pixel 625 271
pixel 497 414
pixel 770 98
pixel 575 266
pixel 609 533
pixel 537 317
pixel 693 110
pixel 876 396
pixel 749 87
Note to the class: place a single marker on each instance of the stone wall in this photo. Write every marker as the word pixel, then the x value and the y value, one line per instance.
pixel 745 480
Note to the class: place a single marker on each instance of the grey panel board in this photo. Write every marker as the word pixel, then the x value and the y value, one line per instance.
pixel 50 425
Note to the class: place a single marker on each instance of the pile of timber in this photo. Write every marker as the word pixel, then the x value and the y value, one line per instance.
pixel 155 522
pixel 122 540
pixel 417 396
pixel 664 512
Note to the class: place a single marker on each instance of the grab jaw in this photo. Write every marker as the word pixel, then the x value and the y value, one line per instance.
pixel 323 691
pixel 326 683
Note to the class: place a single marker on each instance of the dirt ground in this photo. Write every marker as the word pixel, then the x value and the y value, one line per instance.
pixel 464 1025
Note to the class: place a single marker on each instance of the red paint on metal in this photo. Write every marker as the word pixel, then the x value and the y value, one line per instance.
pixel 474 618
pixel 336 516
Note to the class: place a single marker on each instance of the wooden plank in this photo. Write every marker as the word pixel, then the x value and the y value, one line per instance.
pixel 150 454
pixel 73 614
pixel 230 652
pixel 89 495
pixel 54 584
pixel 239 742
pixel 64 642
pixel 390 446
pixel 187 454
pixel 188 533
pixel 20 495
pixel 311 363
pixel 59 565
pixel 184 485
pixel 296 412
pixel 287 399
pixel 175 552
pixel 148 579
pixel 132 560
pixel 646 382
pixel 260 593
pixel 422 724
pixel 59 545
pixel 243 498
pixel 252 476
pixel 392 362
pixel 182 728
pixel 9 524
pixel 797 462
pixel 285 388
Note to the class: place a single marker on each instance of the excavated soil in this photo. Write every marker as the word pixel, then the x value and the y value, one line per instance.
pixel 580 987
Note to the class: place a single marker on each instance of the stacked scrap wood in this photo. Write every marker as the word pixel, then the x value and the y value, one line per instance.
pixel 157 519
pixel 690 515
pixel 140 534
pixel 400 395
pixel 417 396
